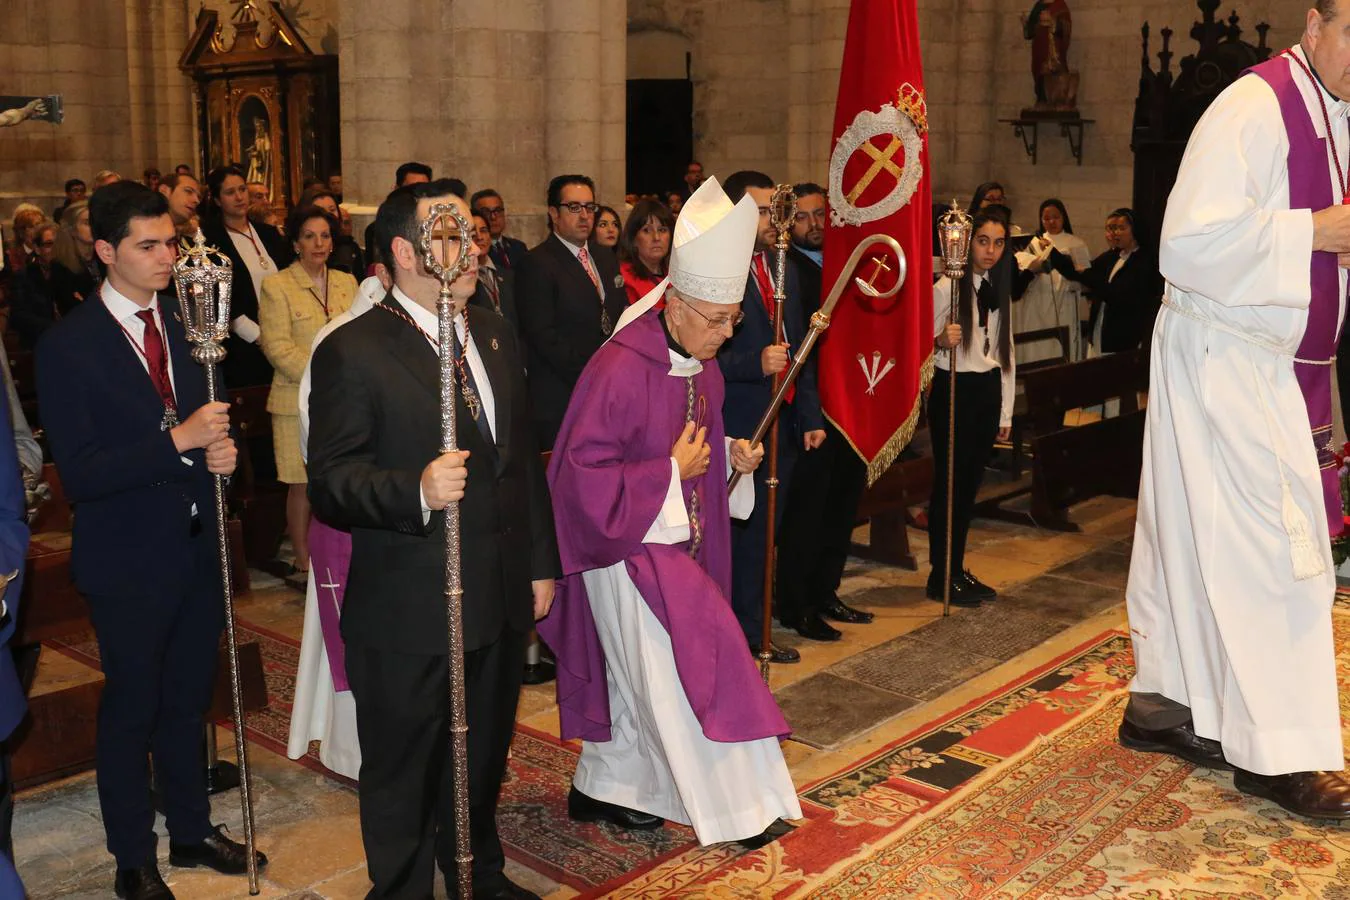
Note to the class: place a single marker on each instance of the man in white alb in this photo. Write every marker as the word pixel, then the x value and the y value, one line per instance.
pixel 1231 582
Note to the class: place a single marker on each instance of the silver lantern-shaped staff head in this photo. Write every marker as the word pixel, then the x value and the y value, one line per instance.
pixel 954 230
pixel 203 276
pixel 444 244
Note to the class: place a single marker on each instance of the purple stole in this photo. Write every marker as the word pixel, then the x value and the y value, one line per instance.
pixel 330 556
pixel 1310 188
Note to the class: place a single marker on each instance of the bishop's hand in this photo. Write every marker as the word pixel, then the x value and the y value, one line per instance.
pixel 1331 229
pixel 691 452
pixel 744 458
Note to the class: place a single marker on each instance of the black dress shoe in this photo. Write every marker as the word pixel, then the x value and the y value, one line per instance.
pixel 1316 795
pixel 814 628
pixel 962 595
pixel 541 672
pixel 584 808
pixel 216 852
pixel 978 587
pixel 1180 741
pixel 778 654
pixel 841 612
pixel 776 829
pixel 143 883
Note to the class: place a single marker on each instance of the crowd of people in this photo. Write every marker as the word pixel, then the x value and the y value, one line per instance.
pixel 594 344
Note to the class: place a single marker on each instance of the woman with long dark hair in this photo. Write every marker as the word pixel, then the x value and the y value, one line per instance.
pixel 985 366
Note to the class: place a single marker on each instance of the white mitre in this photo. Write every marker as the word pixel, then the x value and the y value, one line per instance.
pixel 712 246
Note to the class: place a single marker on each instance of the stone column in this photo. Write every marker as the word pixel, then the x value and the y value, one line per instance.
pixel 163 122
pixel 585 49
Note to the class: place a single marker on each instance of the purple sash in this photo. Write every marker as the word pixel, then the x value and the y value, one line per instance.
pixel 1310 188
pixel 330 556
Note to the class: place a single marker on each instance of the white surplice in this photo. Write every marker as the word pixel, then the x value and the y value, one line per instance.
pixel 320 713
pixel 658 760
pixel 1218 619
pixel 1051 300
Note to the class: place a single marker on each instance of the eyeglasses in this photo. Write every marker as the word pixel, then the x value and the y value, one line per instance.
pixel 720 322
pixel 46 243
pixel 492 211
pixel 576 207
pixel 1121 227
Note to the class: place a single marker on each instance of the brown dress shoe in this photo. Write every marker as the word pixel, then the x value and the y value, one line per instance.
pixel 1181 741
pixel 1316 795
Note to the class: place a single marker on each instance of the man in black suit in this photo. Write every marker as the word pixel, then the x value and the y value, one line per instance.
pixel 257 251
pixel 375 467
pixel 827 483
pixel 570 295
pixel 506 252
pixel 749 362
pixel 136 444
pixel 496 285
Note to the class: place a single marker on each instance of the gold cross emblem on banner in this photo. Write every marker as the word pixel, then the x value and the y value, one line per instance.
pixel 878 266
pixel 881 160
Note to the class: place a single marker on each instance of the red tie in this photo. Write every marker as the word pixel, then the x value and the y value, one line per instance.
pixel 585 259
pixel 156 359
pixel 765 284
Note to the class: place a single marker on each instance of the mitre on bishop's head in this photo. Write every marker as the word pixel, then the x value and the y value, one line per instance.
pixel 713 242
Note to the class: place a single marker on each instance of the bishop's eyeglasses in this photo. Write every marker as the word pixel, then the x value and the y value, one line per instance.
pixel 720 322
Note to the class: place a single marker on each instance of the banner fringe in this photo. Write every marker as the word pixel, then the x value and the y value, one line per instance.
pixel 877 466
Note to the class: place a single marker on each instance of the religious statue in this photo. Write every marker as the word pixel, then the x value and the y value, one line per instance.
pixel 14 110
pixel 1048 27
pixel 259 154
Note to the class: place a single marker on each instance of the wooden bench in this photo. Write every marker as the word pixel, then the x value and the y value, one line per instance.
pixel 259 504
pixel 885 505
pixel 1075 463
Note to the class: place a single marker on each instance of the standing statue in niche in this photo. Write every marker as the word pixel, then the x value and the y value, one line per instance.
pixel 259 154
pixel 1048 27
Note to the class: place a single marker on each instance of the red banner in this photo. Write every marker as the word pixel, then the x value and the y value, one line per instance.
pixel 877 355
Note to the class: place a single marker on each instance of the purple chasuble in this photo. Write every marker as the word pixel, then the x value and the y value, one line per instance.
pixel 1310 188
pixel 330 556
pixel 609 474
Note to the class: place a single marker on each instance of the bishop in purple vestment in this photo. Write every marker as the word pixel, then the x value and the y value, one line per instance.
pixel 654 675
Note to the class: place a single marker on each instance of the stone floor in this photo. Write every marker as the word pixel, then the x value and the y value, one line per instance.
pixel 843 699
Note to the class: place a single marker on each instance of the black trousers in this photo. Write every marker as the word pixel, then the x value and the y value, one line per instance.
pixel 159 665
pixel 405 790
pixel 749 536
pixel 817 528
pixel 978 398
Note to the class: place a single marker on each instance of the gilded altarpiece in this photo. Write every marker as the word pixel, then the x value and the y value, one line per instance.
pixel 265 101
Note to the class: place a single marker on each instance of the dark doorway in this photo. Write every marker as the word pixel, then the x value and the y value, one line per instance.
pixel 660 133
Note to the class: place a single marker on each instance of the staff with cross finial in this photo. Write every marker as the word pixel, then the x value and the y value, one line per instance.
pixel 781 212
pixel 446 229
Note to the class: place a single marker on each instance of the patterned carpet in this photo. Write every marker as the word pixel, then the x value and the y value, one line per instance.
pixel 1020 793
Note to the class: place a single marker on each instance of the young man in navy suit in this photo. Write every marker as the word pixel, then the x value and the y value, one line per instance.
pixel 137 443
pixel 13 705
pixel 749 362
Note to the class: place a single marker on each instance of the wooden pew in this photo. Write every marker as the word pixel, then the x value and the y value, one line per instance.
pixel 886 505
pixel 260 505
pixel 1071 464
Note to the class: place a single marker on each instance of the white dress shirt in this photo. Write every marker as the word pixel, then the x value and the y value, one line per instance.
pixel 427 321
pixel 124 310
pixel 259 265
pixel 973 358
